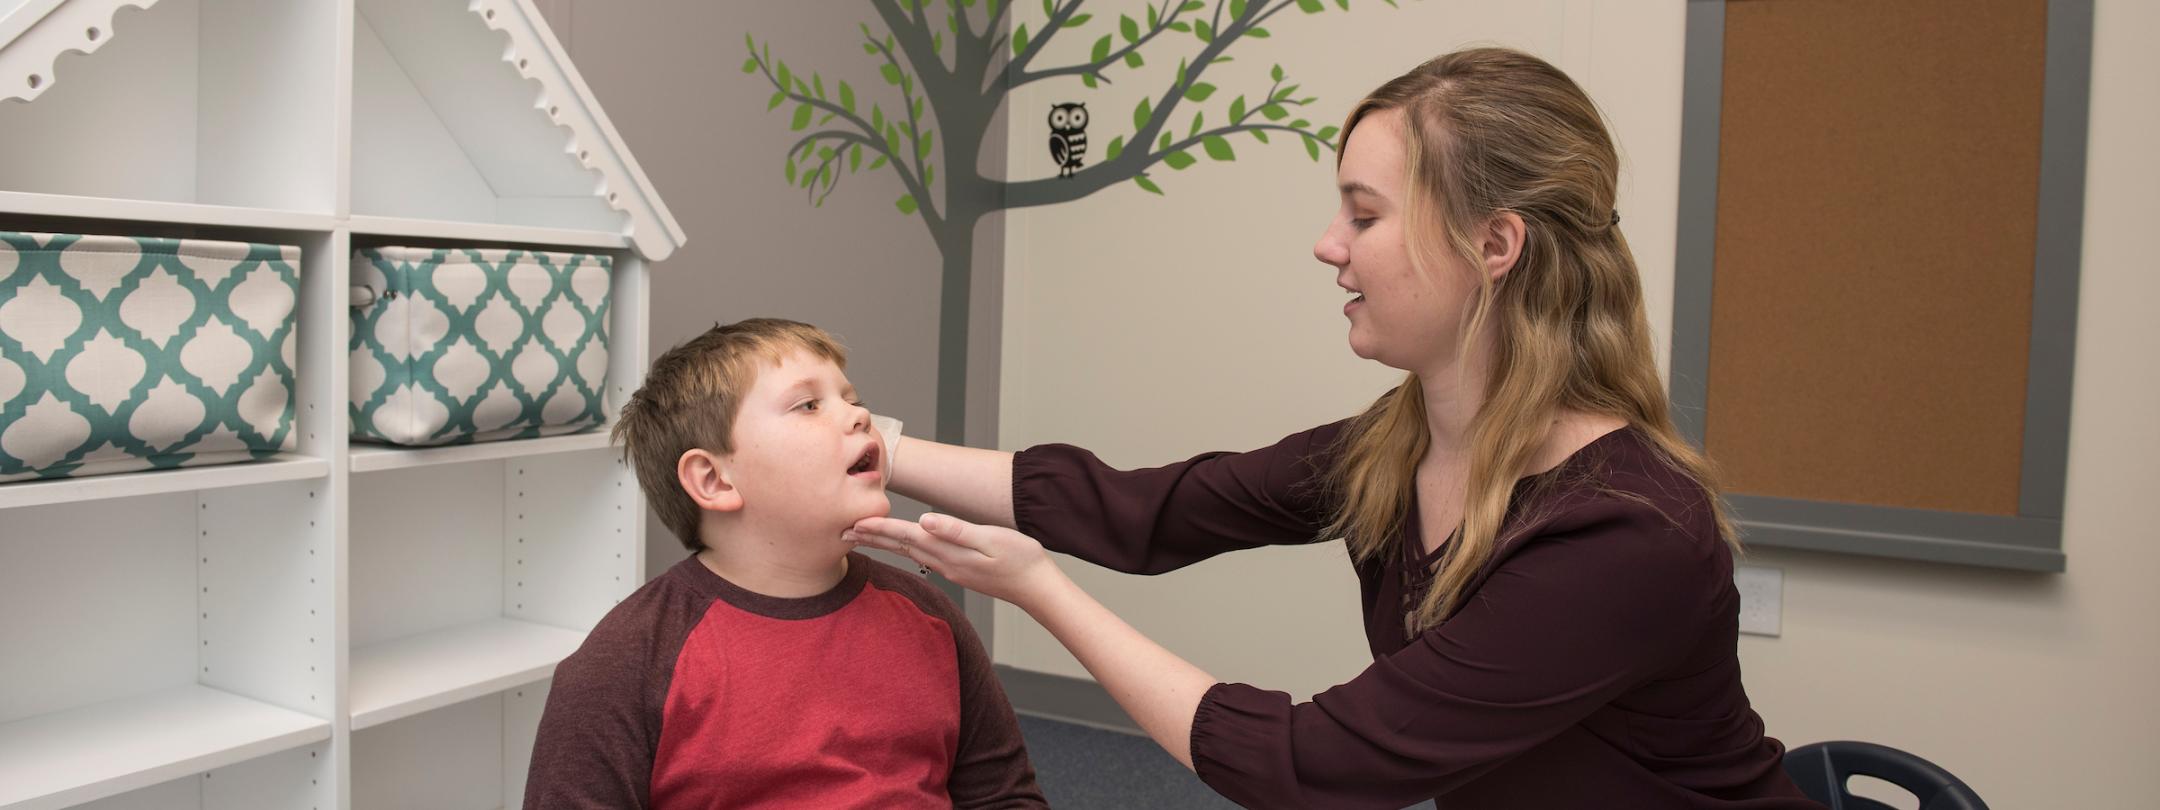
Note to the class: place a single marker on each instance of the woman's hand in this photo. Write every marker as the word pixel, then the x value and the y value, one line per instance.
pixel 990 560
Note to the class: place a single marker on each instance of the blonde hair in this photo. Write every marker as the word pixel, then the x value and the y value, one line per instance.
pixel 1488 131
pixel 689 401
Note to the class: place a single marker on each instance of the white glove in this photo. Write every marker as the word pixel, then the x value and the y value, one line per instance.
pixel 888 429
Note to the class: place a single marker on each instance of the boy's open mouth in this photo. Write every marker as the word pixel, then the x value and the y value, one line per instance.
pixel 867 463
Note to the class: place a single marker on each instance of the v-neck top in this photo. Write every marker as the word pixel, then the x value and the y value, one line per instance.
pixel 1592 661
pixel 1421 565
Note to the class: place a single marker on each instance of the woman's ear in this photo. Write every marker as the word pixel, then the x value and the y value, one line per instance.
pixel 1501 244
pixel 705 478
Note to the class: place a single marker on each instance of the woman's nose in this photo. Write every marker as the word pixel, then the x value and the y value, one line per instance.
pixel 1331 250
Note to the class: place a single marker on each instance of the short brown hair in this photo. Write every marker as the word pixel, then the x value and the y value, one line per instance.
pixel 689 401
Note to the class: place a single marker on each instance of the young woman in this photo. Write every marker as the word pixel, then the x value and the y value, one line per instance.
pixel 1545 565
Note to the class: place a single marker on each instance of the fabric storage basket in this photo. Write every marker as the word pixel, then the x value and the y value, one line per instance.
pixel 123 353
pixel 462 345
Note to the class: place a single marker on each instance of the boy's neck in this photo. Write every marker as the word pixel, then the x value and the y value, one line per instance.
pixel 751 564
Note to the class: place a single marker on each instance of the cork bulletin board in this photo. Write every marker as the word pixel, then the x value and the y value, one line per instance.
pixel 1871 326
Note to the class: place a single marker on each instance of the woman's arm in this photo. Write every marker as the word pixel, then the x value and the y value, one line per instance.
pixel 1138 521
pixel 1160 690
pixel 1566 623
pixel 972 483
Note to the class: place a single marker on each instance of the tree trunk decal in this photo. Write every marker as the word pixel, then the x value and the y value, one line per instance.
pixel 950 91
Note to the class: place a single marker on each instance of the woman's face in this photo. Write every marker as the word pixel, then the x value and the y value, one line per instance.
pixel 1398 317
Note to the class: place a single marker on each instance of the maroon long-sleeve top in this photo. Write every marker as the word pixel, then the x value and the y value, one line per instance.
pixel 1592 662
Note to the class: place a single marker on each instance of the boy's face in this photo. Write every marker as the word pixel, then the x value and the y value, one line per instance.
pixel 806 457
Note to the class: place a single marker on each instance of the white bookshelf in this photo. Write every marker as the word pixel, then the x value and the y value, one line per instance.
pixel 407 676
pixel 280 467
pixel 342 625
pixel 376 457
pixel 488 232
pixel 65 758
pixel 66 205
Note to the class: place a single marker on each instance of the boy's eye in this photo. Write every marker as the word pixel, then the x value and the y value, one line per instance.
pixel 808 405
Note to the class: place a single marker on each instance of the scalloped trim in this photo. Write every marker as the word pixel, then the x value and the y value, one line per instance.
pixel 562 98
pixel 32 47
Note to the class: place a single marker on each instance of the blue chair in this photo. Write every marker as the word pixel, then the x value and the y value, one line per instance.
pixel 1822 769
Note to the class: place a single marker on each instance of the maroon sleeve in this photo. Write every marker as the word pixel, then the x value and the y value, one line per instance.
pixel 1562 625
pixel 601 727
pixel 1148 521
pixel 991 768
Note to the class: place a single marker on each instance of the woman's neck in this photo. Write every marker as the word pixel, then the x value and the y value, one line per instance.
pixel 1454 391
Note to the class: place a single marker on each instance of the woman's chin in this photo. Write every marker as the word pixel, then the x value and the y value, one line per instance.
pixel 1364 346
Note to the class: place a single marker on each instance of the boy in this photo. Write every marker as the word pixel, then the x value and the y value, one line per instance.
pixel 774 667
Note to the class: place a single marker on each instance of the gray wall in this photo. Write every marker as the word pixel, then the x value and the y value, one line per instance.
pixel 669 74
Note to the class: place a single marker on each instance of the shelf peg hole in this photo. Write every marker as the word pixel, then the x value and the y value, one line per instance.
pixel 93 33
pixel 36 81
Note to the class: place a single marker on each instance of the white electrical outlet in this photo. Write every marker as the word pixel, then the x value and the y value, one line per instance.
pixel 1762 597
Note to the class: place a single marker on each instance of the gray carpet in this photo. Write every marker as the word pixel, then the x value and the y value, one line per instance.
pixel 1082 768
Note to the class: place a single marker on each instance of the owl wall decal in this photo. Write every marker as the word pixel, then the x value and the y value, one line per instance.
pixel 1068 136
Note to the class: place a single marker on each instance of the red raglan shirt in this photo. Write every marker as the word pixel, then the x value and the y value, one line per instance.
pixel 695 693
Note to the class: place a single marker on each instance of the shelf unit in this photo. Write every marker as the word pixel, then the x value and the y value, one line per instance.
pixel 342 625
pixel 374 458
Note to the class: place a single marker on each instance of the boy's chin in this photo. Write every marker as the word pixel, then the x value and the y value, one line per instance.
pixel 880 506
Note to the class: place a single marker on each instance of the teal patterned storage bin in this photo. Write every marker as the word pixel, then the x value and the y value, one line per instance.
pixel 461 345
pixel 120 354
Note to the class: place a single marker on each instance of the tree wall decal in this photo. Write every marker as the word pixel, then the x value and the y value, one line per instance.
pixel 953 87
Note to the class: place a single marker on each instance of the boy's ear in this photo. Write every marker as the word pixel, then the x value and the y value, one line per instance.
pixel 705 478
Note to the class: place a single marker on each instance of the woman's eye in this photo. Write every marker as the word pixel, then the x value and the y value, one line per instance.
pixel 1361 223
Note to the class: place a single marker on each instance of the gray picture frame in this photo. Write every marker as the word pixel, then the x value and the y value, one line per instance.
pixel 2030 540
